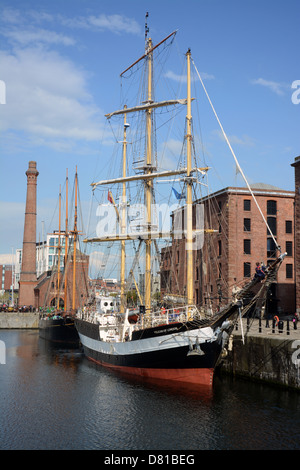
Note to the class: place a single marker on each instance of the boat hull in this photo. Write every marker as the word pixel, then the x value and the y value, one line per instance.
pixel 60 331
pixel 161 354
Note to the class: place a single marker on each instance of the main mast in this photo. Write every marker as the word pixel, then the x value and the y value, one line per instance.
pixel 75 233
pixel 148 183
pixel 189 207
pixel 123 219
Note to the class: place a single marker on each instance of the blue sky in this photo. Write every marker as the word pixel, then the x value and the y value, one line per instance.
pixel 61 62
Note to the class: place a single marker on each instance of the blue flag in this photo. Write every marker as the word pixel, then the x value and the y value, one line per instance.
pixel 177 195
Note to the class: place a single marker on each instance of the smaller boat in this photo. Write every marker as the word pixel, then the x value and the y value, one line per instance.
pixel 59 328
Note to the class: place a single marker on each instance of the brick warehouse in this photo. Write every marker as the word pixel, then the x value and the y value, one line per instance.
pixel 296 165
pixel 242 239
pixel 46 290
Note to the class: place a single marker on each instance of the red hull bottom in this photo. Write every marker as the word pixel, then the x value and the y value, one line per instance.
pixel 187 376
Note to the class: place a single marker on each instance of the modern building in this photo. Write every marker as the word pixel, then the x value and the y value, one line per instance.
pixel 236 238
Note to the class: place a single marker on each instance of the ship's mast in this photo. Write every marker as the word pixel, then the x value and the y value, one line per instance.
pixel 123 219
pixel 58 251
pixel 75 232
pixel 66 245
pixel 189 207
pixel 148 183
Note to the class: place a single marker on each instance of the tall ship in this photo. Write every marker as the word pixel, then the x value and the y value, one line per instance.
pixel 180 343
pixel 58 324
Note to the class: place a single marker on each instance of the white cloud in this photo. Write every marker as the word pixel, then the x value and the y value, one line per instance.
pixel 182 78
pixel 275 87
pixel 115 23
pixel 244 140
pixel 47 97
pixel 36 36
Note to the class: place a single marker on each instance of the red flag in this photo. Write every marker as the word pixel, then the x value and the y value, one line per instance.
pixel 109 197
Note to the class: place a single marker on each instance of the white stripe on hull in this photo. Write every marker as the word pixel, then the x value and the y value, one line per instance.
pixel 169 341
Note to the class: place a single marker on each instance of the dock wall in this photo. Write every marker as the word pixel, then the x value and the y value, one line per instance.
pixel 265 355
pixel 13 320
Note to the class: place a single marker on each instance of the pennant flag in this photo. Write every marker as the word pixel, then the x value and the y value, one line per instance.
pixel 177 195
pixel 109 197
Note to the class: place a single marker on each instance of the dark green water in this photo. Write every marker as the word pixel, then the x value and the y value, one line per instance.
pixel 57 399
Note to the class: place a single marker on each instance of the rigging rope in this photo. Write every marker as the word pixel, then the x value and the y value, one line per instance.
pixel 236 160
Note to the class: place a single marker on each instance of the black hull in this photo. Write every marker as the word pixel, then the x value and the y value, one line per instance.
pixel 60 331
pixel 145 357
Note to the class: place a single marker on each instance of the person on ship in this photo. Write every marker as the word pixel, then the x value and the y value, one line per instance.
pixel 260 271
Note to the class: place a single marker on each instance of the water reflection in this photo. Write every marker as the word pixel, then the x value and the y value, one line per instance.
pixel 60 355
pixel 191 391
pixel 54 398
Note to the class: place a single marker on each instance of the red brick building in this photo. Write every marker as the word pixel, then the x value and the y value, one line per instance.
pixel 6 276
pixel 228 257
pixel 47 291
pixel 296 165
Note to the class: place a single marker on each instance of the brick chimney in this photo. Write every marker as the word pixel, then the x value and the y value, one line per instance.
pixel 296 165
pixel 28 269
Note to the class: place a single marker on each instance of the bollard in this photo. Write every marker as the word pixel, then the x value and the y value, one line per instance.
pixel 267 323
pixel 273 326
pixel 259 325
pixel 280 326
pixel 287 327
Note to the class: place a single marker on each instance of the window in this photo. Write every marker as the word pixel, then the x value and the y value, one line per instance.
pixel 247 204
pixel 220 247
pixel 288 226
pixel 247 247
pixel 220 206
pixel 271 248
pixel 289 271
pixel 271 207
pixel 247 269
pixel 271 221
pixel 220 270
pixel 247 225
pixel 289 248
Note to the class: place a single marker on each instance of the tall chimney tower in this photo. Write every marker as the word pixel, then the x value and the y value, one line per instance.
pixel 28 270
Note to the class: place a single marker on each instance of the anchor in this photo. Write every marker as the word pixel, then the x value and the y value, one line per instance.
pixel 195 349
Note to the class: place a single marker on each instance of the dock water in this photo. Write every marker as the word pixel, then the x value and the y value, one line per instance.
pixel 258 350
